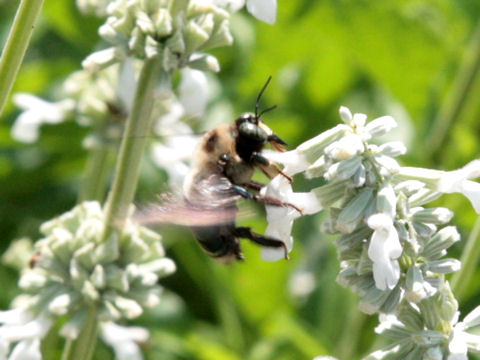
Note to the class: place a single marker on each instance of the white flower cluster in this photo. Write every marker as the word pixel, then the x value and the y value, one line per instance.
pixel 155 28
pixel 391 247
pixel 74 269
pixel 102 100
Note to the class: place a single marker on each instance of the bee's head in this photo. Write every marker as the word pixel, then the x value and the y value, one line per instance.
pixel 251 128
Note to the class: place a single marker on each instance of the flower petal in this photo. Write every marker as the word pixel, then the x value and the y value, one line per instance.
pixel 193 92
pixel 264 10
pixel 26 350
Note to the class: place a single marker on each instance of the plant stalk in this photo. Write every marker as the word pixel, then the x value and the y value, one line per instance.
pixel 96 175
pixel 84 346
pixel 16 46
pixel 131 149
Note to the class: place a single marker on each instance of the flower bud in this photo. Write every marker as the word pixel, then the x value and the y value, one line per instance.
pixel 381 125
pixel 393 148
pixel 353 213
pixel 444 266
pixel 436 216
pixel 204 63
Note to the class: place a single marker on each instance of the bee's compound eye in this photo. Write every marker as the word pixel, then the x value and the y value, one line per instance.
pixel 252 132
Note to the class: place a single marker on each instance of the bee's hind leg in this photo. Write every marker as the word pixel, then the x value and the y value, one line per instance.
pixel 247 233
pixel 268 200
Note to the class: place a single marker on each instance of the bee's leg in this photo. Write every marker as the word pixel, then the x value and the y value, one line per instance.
pixel 247 233
pixel 255 185
pixel 268 200
pixel 263 163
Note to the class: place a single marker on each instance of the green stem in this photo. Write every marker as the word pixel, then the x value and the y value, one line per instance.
pixel 351 333
pixel 227 311
pixel 132 148
pixel 83 347
pixel 470 258
pixel 461 89
pixel 16 46
pixel 96 175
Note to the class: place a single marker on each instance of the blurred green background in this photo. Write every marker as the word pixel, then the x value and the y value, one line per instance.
pixel 415 60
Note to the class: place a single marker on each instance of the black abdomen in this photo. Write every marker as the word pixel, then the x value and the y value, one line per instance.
pixel 218 241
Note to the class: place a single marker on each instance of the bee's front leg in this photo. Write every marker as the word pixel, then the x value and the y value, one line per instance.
pixel 268 200
pixel 247 233
pixel 255 185
pixel 264 164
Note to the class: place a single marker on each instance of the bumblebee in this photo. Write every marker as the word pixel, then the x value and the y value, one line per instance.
pixel 223 166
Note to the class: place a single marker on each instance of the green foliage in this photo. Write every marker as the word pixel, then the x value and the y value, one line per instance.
pixel 378 57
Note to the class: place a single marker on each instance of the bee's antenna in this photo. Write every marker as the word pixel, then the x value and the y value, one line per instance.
pixel 267 110
pixel 259 97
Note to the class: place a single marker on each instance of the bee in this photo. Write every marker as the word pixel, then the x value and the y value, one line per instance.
pixel 223 166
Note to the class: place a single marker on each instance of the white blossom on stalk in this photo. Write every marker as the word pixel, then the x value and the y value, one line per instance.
pixel 384 250
pixel 280 219
pixel 36 112
pixel 293 160
pixel 461 340
pixel 124 340
pixel 264 10
pixel 24 331
pixel 345 148
pixel 174 155
pixel 193 92
pixel 456 181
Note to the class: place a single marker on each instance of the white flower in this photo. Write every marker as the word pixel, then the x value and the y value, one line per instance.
pixel 280 219
pixel 368 130
pixel 345 148
pixel 37 112
pixel 21 328
pixel 264 10
pixel 456 181
pixel 193 92
pixel 383 250
pixel 174 156
pixel 126 85
pixel 460 339
pixel 354 120
pixel 124 340
pixel 293 160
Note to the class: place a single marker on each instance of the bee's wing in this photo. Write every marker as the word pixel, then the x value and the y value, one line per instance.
pixel 211 202
pixel 213 192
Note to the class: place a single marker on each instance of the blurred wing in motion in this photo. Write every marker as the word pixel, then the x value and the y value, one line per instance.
pixel 212 202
